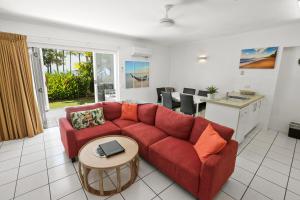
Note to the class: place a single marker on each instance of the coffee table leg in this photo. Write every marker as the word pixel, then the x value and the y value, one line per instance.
pixel 118 179
pixel 85 178
pixel 101 189
pixel 137 165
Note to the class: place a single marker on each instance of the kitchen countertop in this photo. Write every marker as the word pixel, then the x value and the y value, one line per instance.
pixel 236 103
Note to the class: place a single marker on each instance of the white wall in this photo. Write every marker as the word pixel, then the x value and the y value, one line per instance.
pixel 47 35
pixel 286 106
pixel 222 66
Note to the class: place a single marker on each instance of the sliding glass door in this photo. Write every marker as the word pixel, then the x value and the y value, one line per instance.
pixel 105 77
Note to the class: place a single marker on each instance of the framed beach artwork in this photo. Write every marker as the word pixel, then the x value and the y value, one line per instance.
pixel 136 74
pixel 258 58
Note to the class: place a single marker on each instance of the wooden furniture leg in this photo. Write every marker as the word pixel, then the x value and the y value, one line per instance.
pixel 101 189
pixel 118 179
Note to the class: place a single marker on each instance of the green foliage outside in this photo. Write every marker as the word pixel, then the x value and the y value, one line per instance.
pixel 68 85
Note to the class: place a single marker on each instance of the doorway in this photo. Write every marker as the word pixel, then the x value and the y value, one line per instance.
pixel 65 77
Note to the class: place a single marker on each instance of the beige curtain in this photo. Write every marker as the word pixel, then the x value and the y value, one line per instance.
pixel 19 115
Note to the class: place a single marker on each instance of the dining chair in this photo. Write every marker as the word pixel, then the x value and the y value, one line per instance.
pixel 202 93
pixel 202 106
pixel 168 101
pixel 187 105
pixel 170 89
pixel 189 91
pixel 159 91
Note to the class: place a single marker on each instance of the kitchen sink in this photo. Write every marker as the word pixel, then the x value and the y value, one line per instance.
pixel 238 97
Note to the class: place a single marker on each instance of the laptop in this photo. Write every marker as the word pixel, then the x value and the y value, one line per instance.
pixel 109 149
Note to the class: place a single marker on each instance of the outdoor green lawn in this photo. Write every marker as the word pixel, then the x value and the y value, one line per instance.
pixel 76 102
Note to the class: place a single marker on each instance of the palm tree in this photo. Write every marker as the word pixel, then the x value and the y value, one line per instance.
pixel 58 59
pixel 74 53
pixel 63 52
pixel 48 57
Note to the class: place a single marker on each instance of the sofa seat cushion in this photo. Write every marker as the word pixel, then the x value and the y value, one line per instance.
pixel 145 135
pixel 178 159
pixel 200 125
pixel 174 124
pixel 122 123
pixel 84 135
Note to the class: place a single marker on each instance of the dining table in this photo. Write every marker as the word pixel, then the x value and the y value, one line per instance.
pixel 197 99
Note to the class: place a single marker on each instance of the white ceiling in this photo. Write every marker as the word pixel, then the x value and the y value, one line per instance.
pixel 195 19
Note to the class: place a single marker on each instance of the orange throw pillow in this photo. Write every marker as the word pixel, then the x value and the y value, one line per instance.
pixel 129 111
pixel 210 142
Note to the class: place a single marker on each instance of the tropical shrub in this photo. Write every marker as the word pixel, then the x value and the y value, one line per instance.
pixel 63 86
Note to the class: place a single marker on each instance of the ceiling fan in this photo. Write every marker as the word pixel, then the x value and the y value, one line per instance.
pixel 166 21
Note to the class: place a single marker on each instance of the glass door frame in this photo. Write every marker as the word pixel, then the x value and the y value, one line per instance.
pixel 116 73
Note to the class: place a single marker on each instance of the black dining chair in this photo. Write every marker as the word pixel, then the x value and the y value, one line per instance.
pixel 202 93
pixel 159 91
pixel 170 89
pixel 168 101
pixel 187 105
pixel 189 91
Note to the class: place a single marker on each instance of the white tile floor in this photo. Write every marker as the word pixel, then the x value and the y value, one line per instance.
pixel 267 167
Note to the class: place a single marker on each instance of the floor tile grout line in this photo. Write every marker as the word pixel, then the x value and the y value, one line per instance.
pixel 18 172
pixel 29 174
pixel 258 131
pixel 246 189
pixel 157 194
pixel 290 169
pixel 30 191
pixel 165 188
pixel 72 193
pixel 271 181
pixel 47 169
pixel 149 187
pixel 259 166
pixel 10 158
pixel 79 182
pixel 116 187
pixel 275 170
pixel 3 171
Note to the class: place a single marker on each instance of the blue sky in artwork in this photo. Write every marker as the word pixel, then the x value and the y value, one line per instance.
pixel 258 52
pixel 135 66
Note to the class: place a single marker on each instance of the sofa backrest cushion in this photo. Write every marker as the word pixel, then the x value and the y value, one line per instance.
pixel 146 113
pixel 71 109
pixel 175 124
pixel 112 110
pixel 200 125
pixel 129 111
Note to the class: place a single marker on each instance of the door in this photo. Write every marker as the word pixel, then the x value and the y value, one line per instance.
pixel 39 82
pixel 105 76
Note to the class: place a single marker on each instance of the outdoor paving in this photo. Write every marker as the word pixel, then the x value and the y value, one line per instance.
pixel 53 115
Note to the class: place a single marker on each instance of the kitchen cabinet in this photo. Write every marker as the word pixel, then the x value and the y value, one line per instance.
pixel 242 118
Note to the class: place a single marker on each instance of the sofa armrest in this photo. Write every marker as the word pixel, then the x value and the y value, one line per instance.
pixel 216 170
pixel 67 135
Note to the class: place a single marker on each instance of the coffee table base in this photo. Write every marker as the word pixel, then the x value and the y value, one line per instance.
pixel 84 172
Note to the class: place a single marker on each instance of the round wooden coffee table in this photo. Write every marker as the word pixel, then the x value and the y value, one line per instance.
pixel 89 160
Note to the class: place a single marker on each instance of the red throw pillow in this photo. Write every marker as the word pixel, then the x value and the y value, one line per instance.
pixel 129 111
pixel 210 142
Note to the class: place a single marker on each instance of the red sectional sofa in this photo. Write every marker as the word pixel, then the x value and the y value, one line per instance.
pixel 166 140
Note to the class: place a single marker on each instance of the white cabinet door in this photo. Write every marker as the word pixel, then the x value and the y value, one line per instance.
pixel 243 125
pixel 253 115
